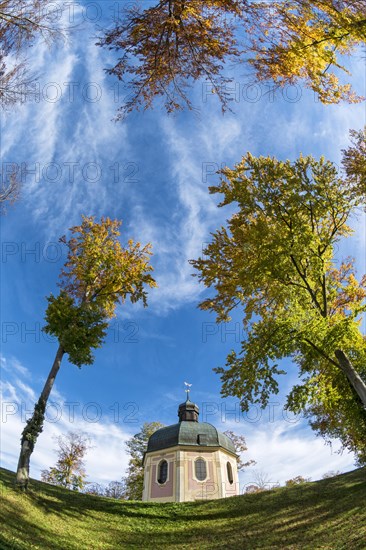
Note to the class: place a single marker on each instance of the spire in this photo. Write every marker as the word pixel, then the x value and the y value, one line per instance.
pixel 188 389
pixel 188 411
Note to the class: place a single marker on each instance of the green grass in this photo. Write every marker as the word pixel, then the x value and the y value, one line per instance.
pixel 328 514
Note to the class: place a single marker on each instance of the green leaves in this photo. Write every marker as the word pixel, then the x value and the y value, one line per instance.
pixel 77 327
pixel 275 260
pixel 98 274
pixel 290 215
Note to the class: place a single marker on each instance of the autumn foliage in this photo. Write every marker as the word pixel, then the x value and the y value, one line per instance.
pixel 306 40
pixel 22 23
pixel 275 261
pixel 165 48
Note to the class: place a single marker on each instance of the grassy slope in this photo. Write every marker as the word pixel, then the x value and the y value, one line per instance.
pixel 328 514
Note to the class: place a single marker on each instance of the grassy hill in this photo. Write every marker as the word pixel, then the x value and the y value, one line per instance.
pixel 328 514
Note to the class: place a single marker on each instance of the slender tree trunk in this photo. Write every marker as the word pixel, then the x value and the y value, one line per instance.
pixel 354 378
pixel 34 425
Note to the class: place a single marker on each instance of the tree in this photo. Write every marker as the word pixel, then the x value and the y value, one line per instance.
pixel 167 47
pixel 136 448
pixel 240 447
pixel 69 471
pixel 276 260
pixel 262 482
pixel 97 275
pixel 115 489
pixel 21 23
pixel 298 480
pixel 354 161
pixel 9 191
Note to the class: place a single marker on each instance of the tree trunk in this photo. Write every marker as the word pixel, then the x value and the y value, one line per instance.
pixel 354 378
pixel 34 425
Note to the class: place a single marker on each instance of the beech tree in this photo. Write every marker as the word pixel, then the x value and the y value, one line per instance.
pixel 136 447
pixel 165 48
pixel 21 23
pixel 98 274
pixel 275 259
pixel 69 471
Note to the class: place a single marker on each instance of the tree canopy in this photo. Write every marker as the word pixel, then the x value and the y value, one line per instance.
pixel 9 190
pixel 306 40
pixel 98 274
pixel 170 45
pixel 354 161
pixel 21 23
pixel 165 48
pixel 275 259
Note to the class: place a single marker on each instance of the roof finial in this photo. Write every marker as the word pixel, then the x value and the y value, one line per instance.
pixel 187 390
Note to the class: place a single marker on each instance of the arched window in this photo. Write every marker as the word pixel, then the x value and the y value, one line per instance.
pixel 200 469
pixel 162 472
pixel 229 473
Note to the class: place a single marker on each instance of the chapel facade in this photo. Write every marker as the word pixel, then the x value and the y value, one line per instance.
pixel 189 461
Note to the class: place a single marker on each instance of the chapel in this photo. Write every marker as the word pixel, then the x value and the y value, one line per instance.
pixel 189 461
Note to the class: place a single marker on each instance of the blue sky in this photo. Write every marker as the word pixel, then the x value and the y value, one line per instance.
pixel 152 171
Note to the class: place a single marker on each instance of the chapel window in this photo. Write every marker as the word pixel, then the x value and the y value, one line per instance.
pixel 162 472
pixel 200 469
pixel 229 473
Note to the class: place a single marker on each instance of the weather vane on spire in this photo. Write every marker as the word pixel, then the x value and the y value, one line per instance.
pixel 188 389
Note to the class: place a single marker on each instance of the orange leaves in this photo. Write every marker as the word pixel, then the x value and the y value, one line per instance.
pixel 165 48
pixel 348 294
pixel 168 46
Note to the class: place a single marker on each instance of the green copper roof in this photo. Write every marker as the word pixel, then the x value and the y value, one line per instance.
pixel 199 434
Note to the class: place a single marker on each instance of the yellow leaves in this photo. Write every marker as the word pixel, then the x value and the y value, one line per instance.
pixel 303 40
pixel 100 270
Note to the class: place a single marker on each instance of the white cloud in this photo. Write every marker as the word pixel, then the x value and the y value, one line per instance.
pixel 69 155
pixel 12 365
pixel 106 460
pixel 284 453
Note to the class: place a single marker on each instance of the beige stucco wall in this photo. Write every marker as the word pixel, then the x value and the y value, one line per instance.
pixel 182 484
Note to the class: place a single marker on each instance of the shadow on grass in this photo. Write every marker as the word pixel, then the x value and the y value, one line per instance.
pixel 327 514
